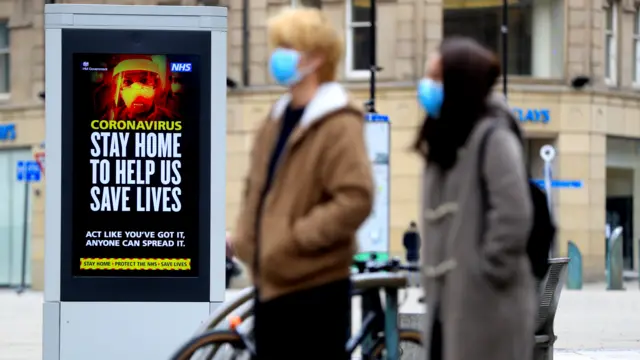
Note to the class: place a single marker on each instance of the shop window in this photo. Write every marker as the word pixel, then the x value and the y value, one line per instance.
pixel 12 211
pixel 528 55
pixel 636 48
pixel 611 44
pixel 307 3
pixel 358 39
pixel 5 59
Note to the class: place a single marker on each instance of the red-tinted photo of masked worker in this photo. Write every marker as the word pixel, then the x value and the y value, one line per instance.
pixel 137 85
pixel 176 93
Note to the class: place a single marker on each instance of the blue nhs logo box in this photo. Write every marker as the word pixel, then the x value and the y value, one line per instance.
pixel 180 67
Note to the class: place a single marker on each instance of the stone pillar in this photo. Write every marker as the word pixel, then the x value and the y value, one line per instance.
pixel 627 57
pixel 577 47
pixel 597 49
pixel 406 166
pixel 244 114
pixel 580 213
pixel 234 40
pixel 37 35
pixel 24 52
pixel 258 42
pixel 405 41
pixel 433 26
pixel 636 215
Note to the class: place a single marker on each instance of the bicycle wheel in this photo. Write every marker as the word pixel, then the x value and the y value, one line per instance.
pixel 217 344
pixel 410 346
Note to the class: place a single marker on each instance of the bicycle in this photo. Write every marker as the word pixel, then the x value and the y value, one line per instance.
pixel 378 333
pixel 379 336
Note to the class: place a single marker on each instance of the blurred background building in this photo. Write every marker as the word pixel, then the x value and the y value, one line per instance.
pixel 555 47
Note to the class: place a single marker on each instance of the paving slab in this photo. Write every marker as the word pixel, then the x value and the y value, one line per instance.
pixel 591 324
pixel 20 325
pixel 594 318
pixel 597 355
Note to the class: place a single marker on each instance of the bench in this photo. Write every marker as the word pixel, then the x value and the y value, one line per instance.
pixel 549 290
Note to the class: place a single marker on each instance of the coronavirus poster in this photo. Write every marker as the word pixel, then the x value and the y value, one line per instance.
pixel 135 194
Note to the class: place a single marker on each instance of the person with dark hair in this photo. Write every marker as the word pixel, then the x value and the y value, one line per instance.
pixel 477 212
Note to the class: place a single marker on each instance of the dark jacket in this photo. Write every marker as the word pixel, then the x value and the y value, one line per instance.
pixel 411 242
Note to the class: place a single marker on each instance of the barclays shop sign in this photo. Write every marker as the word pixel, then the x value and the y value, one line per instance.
pixel 533 115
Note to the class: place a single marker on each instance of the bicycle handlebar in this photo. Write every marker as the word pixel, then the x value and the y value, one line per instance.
pixel 372 266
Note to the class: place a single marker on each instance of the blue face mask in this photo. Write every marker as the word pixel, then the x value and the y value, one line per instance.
pixel 283 66
pixel 430 96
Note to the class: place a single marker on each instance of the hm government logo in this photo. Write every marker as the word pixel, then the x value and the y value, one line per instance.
pixel 180 67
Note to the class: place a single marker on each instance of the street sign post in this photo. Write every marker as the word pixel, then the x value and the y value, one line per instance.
pixel 548 153
pixel 27 171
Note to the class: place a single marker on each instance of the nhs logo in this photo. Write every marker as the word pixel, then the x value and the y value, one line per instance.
pixel 180 67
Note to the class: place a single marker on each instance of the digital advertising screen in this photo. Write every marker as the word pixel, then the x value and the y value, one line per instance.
pixel 135 195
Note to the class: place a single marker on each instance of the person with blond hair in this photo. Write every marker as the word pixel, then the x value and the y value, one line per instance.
pixel 308 189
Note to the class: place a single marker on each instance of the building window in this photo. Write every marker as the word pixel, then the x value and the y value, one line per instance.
pixel 636 48
pixel 527 54
pixel 358 38
pixel 172 3
pixel 211 3
pixel 610 43
pixel 5 59
pixel 307 3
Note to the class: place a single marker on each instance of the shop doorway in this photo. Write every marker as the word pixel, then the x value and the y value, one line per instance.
pixel 12 209
pixel 620 209
pixel 620 213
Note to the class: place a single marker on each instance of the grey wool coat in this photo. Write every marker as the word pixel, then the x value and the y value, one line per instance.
pixel 481 281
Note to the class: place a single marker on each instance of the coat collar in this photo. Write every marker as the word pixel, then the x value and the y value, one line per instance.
pixel 329 98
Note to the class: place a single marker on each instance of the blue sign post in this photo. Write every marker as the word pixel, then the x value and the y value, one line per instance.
pixel 7 132
pixel 27 171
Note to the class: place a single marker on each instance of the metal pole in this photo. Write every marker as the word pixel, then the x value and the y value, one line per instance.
pixel 245 43
pixel 505 46
pixel 25 226
pixel 548 154
pixel 371 105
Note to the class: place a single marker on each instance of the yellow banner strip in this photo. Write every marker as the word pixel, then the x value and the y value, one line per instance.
pixel 134 264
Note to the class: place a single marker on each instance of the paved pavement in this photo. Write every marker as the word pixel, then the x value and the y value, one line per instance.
pixel 20 326
pixel 592 324
pixel 597 355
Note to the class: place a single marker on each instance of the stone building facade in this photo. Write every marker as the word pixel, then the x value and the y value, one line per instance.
pixel 595 129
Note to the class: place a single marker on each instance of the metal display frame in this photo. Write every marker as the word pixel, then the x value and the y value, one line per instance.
pixel 104 318
pixel 373 120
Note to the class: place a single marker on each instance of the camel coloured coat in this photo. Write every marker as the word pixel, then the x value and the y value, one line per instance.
pixel 480 280
pixel 303 230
